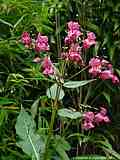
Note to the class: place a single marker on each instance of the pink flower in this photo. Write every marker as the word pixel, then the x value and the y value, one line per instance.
pixel 94 71
pixel 48 71
pixel 115 79
pixel 37 60
pixel 72 36
pixel 41 43
pixel 101 116
pixel 75 57
pixel 26 38
pixel 103 111
pixel 106 74
pixel 95 64
pixel 103 69
pixel 73 25
pixel 88 43
pixel 64 55
pixel 105 62
pixel 73 32
pixel 91 36
pixel 106 119
pixel 87 125
pixel 89 116
pixel 74 53
pixel 47 66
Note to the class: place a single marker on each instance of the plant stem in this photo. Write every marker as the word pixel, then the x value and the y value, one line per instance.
pixel 54 111
pixel 87 95
pixel 78 72
pixel 67 126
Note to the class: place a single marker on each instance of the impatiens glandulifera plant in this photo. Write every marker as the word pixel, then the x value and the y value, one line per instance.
pixel 70 73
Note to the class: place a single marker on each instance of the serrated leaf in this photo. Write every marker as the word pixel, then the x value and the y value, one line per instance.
pixel 55 91
pixel 69 113
pixel 31 143
pixel 76 84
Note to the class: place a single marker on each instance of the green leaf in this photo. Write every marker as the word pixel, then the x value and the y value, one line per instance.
pixel 31 143
pixel 69 113
pixel 3 117
pixel 62 153
pixel 76 84
pixel 55 91
pixel 118 71
pixel 6 23
pixel 34 108
pixel 112 152
pixel 92 157
pixel 107 96
pixel 19 21
pixel 61 146
pixel 6 101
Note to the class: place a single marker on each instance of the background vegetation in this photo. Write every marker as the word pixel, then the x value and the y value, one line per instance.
pixel 19 83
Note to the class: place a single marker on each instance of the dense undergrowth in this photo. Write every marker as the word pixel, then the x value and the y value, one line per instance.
pixel 38 121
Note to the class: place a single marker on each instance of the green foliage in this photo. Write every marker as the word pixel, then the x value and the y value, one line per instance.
pixel 30 142
pixel 21 83
pixel 92 157
pixel 76 84
pixel 55 91
pixel 66 113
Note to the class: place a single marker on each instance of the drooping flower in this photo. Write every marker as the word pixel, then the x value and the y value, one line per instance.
pixel 115 79
pixel 103 111
pixel 37 60
pixel 91 36
pixel 73 32
pixel 103 69
pixel 106 74
pixel 41 43
pixel 87 125
pixel 88 116
pixel 74 53
pixel 102 117
pixel 72 36
pixel 26 39
pixel 90 119
pixel 95 66
pixel 89 41
pixel 73 25
pixel 47 66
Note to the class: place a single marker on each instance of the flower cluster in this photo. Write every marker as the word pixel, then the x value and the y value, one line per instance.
pixel 39 45
pixel 47 66
pixel 26 39
pixel 74 52
pixel 90 119
pixel 89 41
pixel 73 32
pixel 101 68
